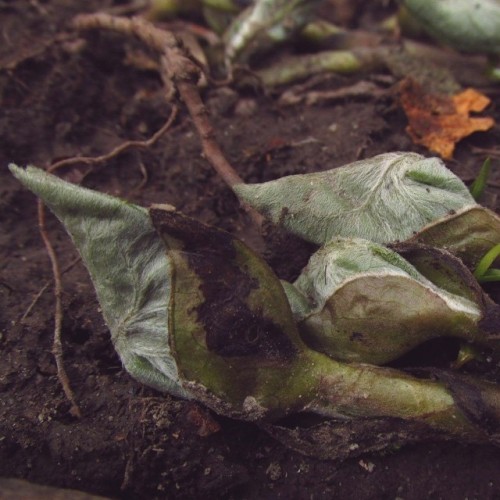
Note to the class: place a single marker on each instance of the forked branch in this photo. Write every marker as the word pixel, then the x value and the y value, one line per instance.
pixel 179 68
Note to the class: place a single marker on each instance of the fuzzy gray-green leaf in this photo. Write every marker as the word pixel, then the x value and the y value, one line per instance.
pixel 368 304
pixel 382 199
pixel 128 264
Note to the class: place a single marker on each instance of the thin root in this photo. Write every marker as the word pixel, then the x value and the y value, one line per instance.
pixel 57 350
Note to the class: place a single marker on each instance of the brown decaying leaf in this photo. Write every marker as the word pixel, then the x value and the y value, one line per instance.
pixel 439 121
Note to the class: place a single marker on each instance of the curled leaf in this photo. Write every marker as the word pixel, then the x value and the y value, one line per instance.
pixel 368 304
pixel 449 273
pixel 192 311
pixel 468 233
pixel 471 26
pixel 383 199
pixel 233 333
pixel 263 25
pixel 439 121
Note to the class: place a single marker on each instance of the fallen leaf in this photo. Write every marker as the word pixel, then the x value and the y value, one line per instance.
pixel 439 121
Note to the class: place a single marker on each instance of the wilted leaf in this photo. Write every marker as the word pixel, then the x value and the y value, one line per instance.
pixel 368 304
pixel 230 319
pixel 449 273
pixel 438 121
pixel 192 310
pixel 131 273
pixel 469 233
pixel 197 314
pixel 383 199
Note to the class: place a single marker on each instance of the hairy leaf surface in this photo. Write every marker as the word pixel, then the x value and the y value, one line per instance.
pixel 368 304
pixel 382 199
pixel 129 268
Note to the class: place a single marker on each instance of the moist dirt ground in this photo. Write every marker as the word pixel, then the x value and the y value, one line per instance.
pixel 63 94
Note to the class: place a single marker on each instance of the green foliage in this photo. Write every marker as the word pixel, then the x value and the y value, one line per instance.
pixel 368 304
pixel 479 185
pixel 383 199
pixel 483 273
pixel 263 25
pixel 131 275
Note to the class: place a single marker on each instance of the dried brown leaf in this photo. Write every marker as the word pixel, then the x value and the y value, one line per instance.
pixel 439 121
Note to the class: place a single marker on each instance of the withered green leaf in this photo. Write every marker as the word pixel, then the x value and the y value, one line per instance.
pixel 129 269
pixel 468 233
pixel 231 326
pixel 263 25
pixel 383 199
pixel 192 311
pixel 368 304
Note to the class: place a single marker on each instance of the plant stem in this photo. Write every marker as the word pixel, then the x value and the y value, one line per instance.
pixel 300 67
pixel 455 405
pixel 179 67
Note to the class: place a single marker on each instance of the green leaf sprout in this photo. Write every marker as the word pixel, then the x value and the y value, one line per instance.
pixel 483 273
pixel 479 185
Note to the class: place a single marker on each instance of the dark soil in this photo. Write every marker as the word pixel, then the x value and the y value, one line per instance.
pixel 63 95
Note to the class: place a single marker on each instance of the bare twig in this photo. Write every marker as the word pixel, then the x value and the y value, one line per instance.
pixel 145 177
pixel 200 116
pixel 57 350
pixel 184 71
pixel 362 89
pixel 492 152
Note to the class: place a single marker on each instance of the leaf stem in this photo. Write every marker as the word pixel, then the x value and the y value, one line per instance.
pixel 179 68
pixel 479 185
pixel 453 404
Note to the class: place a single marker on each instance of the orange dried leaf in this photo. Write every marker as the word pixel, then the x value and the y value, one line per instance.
pixel 439 121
